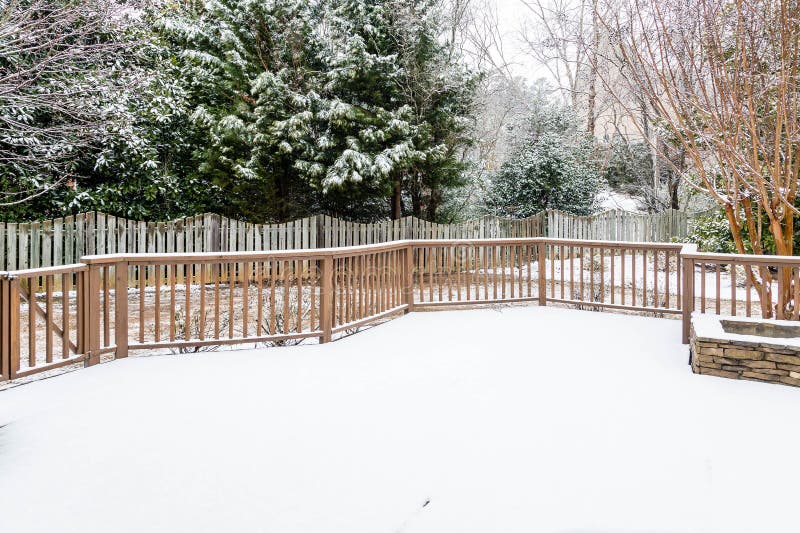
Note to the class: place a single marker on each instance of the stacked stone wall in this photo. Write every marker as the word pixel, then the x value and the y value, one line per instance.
pixel 746 360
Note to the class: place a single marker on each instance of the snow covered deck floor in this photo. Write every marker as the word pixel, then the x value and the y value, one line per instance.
pixel 517 420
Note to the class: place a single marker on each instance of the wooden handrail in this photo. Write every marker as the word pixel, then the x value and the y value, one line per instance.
pixel 331 290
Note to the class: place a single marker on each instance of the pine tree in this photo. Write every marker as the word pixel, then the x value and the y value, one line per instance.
pixel 252 67
pixel 399 100
pixel 337 106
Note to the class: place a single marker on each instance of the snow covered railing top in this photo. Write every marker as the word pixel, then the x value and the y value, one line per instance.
pixel 108 305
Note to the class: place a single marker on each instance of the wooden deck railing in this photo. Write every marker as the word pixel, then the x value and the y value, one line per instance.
pixel 109 305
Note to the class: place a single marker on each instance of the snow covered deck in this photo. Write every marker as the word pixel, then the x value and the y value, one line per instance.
pixel 518 419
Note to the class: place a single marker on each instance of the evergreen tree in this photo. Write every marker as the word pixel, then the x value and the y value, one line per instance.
pixel 252 68
pixel 400 101
pixel 554 168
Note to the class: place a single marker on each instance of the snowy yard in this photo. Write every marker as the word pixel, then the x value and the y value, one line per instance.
pixel 496 420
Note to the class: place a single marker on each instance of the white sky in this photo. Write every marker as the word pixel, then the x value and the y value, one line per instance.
pixel 512 16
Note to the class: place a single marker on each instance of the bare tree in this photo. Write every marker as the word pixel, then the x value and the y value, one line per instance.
pixel 486 42
pixel 56 60
pixel 722 76
pixel 563 37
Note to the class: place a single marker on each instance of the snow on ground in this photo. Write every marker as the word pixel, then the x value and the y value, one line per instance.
pixel 618 200
pixel 504 420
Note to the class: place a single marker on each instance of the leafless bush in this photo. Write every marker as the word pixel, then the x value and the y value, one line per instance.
pixel 57 77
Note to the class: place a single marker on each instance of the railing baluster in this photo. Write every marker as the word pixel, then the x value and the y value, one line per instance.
pixel 667 283
pixel 259 265
pixel 272 298
pixel 217 276
pixel 703 287
pixel 591 297
pixel 552 272
pixel 612 275
pixel 655 279
pixel 141 273
pixel 187 315
pixel 733 289
pixel 581 272
pixel 286 296
pixel 633 277
pixel 48 284
pixel 795 273
pixel 231 268
pixel 157 304
pixel 747 288
pixel 202 317
pixel 602 276
pixel 779 308
pixel 31 323
pixel 66 282
pixel 503 260
pixel 561 274
pixel 571 272
pixel 622 275
pixel 644 278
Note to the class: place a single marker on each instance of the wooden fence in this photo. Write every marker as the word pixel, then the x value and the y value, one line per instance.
pixel 111 304
pixel 63 241
pixel 619 225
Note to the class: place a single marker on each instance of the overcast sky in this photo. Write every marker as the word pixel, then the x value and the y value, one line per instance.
pixel 511 15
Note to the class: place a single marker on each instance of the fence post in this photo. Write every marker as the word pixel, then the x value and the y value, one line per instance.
pixel 121 308
pixel 540 246
pixel 92 311
pixel 687 296
pixel 326 300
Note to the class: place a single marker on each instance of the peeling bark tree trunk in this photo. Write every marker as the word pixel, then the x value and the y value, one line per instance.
pixel 723 78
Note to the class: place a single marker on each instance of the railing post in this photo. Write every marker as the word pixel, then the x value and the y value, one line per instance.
pixel 408 277
pixel 541 248
pixel 92 311
pixel 5 327
pixel 121 309
pixel 326 300
pixel 11 342
pixel 687 296
pixel 80 312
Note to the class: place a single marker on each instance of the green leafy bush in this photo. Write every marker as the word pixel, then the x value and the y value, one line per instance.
pixel 712 233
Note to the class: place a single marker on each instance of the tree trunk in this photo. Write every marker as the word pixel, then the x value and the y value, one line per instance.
pixel 674 201
pixel 416 202
pixel 282 198
pixel 591 103
pixel 397 199
pixel 433 203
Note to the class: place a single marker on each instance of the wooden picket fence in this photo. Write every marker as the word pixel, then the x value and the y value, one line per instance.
pixel 619 225
pixel 64 240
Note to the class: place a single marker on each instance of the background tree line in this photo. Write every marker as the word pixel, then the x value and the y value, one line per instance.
pixel 270 110
pixel 267 110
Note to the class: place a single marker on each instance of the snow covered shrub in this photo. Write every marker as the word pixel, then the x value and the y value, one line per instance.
pixel 555 167
pixel 712 233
